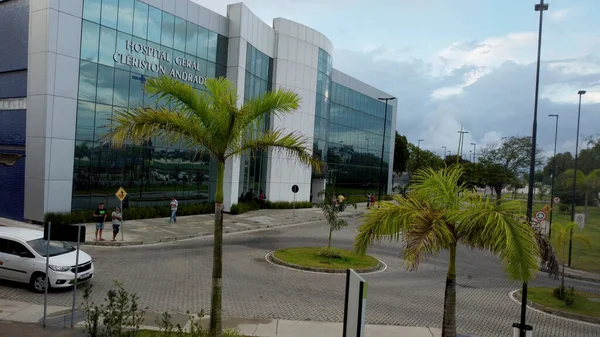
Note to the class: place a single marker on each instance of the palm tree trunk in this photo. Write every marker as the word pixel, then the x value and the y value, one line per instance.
pixel 216 329
pixel 449 324
pixel 329 241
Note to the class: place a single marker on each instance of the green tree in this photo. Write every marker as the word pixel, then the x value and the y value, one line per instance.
pixel 331 205
pixel 514 153
pixel 589 158
pixel 588 184
pixel 438 214
pixel 497 177
pixel 212 122
pixel 564 161
pixel 419 158
pixel 400 153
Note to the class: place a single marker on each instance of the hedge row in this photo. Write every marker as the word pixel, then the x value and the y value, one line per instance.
pixel 244 207
pixel 133 213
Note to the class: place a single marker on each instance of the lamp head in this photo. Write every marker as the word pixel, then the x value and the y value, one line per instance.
pixel 581 92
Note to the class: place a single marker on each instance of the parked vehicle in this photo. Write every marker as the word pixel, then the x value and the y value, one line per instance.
pixel 23 259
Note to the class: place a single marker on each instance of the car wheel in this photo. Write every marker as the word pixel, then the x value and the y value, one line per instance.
pixel 38 282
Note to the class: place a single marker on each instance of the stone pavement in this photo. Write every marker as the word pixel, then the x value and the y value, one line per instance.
pixel 147 231
pixel 24 319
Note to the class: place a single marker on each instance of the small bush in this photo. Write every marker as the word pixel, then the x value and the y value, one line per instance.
pixel 132 213
pixel 568 296
pixel 330 253
pixel 559 293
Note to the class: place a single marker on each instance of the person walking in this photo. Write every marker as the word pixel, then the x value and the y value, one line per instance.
pixel 173 205
pixel 368 200
pixel 100 217
pixel 117 218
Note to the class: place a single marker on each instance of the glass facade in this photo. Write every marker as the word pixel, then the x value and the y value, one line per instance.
pixel 253 166
pixel 123 42
pixel 349 132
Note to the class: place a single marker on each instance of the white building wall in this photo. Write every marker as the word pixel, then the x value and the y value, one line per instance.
pixel 52 83
pixel 295 68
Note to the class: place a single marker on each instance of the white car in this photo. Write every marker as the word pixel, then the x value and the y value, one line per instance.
pixel 23 259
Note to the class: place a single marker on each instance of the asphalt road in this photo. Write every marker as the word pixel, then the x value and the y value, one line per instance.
pixel 175 277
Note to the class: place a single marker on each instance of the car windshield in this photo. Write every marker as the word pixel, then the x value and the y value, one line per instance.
pixel 55 248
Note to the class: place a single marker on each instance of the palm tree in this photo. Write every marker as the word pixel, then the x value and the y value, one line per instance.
pixel 212 122
pixel 589 183
pixel 438 214
pixel 562 235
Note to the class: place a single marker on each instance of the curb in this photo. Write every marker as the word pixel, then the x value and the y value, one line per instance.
pixel 195 236
pixel 575 277
pixel 275 260
pixel 557 312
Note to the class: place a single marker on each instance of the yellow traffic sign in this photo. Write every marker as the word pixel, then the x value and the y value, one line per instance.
pixel 121 194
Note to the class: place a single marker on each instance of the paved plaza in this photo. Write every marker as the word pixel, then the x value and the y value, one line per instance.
pixel 175 277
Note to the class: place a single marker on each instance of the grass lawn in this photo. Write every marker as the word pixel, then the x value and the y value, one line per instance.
pixel 582 306
pixel 307 257
pixel 583 257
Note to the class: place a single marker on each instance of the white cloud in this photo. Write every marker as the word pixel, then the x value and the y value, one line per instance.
pixel 559 15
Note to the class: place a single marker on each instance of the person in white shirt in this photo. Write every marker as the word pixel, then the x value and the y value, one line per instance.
pixel 173 205
pixel 116 222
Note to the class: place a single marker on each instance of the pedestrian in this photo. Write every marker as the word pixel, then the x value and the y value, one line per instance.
pixel 372 199
pixel 368 200
pixel 173 205
pixel 116 218
pixel 100 217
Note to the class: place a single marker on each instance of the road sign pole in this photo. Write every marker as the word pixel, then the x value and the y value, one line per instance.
pixel 76 272
pixel 46 281
pixel 122 212
pixel 294 209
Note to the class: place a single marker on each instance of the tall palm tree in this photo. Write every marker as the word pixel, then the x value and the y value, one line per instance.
pixel 589 183
pixel 438 214
pixel 212 122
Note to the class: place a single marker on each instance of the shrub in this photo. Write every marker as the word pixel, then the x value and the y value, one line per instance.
pixel 330 253
pixel 568 296
pixel 248 206
pixel 132 213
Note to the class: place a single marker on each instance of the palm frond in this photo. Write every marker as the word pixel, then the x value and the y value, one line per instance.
pixel 293 145
pixel 182 97
pixel 172 127
pixel 442 187
pixel 548 255
pixel 421 228
pixel 272 103
pixel 502 230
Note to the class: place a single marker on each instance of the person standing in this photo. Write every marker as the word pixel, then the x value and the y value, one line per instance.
pixel 368 200
pixel 100 217
pixel 173 205
pixel 116 217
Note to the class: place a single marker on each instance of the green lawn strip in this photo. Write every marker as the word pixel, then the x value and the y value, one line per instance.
pixel 583 257
pixel 152 333
pixel 582 306
pixel 307 257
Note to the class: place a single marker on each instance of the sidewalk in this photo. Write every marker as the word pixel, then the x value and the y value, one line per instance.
pixel 24 319
pixel 146 231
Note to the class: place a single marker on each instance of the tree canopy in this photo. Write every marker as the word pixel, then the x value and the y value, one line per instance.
pixel 401 153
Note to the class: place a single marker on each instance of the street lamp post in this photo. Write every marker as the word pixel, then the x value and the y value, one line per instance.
pixel 541 7
pixel 419 143
pixel 580 93
pixel 461 141
pixel 471 156
pixel 474 151
pixel 386 99
pixel 553 176
pixel 445 151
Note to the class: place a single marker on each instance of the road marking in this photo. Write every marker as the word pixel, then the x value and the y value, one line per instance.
pixel 512 297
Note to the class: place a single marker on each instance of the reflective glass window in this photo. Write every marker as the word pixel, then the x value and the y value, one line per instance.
pixel 125 23
pixel 91 10
pixel 105 84
pixel 191 42
pixel 222 45
pixel 136 95
pixel 168 30
pixel 121 88
pixel 140 20
pixel 212 46
pixel 154 24
pixel 90 36
pixel 102 120
pixel 87 80
pixel 180 31
pixel 108 39
pixel 202 43
pixel 109 13
pixel 85 120
pixel 211 69
pixel 121 49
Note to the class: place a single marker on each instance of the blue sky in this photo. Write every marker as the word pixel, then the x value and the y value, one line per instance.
pixel 469 62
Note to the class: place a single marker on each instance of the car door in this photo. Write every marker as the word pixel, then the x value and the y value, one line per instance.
pixel 17 261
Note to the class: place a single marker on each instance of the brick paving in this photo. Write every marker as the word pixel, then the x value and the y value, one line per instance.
pixel 175 277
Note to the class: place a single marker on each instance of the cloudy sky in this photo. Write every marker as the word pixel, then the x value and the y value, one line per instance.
pixel 469 62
